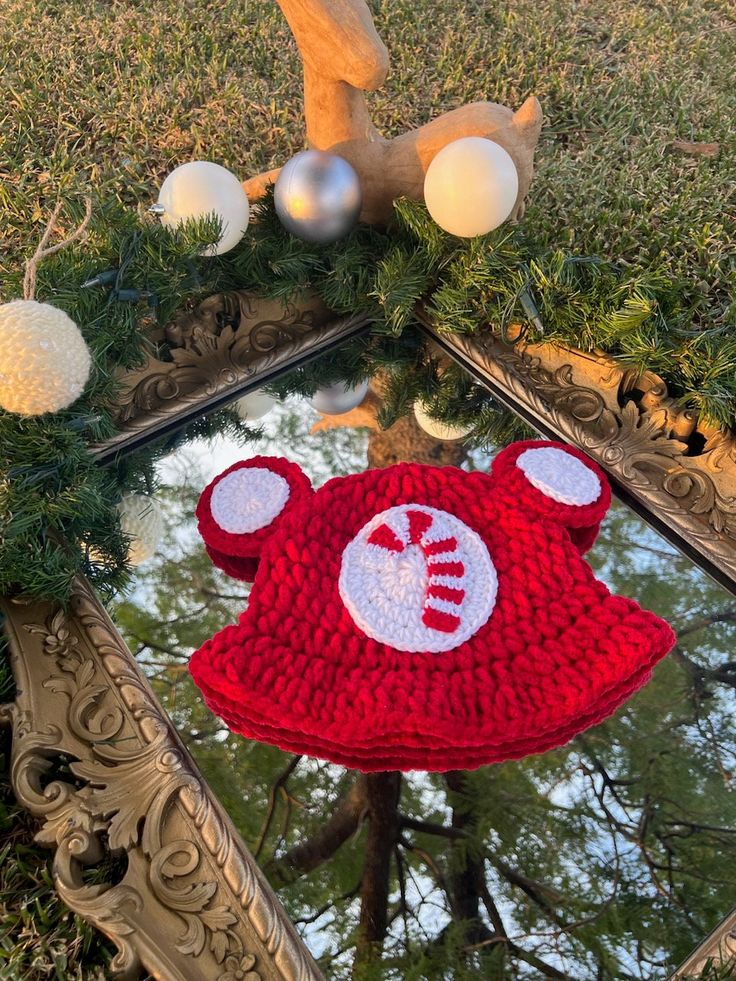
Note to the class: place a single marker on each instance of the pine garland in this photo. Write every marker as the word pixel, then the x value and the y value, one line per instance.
pixel 58 513
pixel 58 507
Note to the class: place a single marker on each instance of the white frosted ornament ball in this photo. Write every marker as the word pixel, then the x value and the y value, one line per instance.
pixel 141 520
pixel 44 360
pixel 471 186
pixel 195 190
pixel 440 430
pixel 334 400
pixel 255 405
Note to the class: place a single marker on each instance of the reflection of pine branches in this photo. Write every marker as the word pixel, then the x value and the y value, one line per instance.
pixel 636 830
pixel 726 615
pixel 326 907
pixel 563 881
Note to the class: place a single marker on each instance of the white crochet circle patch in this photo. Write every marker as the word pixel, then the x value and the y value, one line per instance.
pixel 418 579
pixel 248 499
pixel 559 475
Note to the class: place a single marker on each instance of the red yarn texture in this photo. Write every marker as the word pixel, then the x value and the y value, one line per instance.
pixel 236 566
pixel 237 555
pixel 558 653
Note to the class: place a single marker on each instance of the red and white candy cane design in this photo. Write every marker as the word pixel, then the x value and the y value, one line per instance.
pixel 445 570
pixel 418 578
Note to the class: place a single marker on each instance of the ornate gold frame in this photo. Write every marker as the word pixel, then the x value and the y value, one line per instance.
pixel 228 345
pixel 94 756
pixel 98 762
pixel 719 947
pixel 676 473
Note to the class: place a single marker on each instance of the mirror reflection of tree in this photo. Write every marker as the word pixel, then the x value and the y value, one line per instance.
pixel 608 858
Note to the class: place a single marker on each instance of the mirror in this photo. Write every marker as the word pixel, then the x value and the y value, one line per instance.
pixel 608 857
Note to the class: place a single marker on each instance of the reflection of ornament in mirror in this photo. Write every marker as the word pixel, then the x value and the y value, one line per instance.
pixel 363 416
pixel 334 400
pixel 200 188
pixel 255 405
pixel 142 521
pixel 433 427
pixel 318 196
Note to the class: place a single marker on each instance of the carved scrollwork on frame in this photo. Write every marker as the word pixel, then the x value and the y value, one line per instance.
pixel 677 473
pixel 95 759
pixel 228 344
pixel 719 948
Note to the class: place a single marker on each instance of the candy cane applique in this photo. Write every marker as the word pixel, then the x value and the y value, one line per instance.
pixel 445 571
pixel 418 578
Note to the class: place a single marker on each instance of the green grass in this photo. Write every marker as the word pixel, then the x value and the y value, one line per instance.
pixel 114 94
pixel 39 937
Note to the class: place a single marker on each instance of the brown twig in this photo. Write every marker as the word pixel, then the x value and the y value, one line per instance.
pixel 273 793
pixel 547 970
pixel 429 861
pixel 401 875
pixel 344 821
pixel 428 827
pixel 29 280
pixel 313 917
pixel 493 911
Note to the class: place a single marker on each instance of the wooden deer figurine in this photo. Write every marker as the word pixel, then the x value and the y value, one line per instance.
pixel 344 57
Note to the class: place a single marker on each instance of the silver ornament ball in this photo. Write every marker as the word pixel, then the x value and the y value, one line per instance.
pixel 335 400
pixel 318 196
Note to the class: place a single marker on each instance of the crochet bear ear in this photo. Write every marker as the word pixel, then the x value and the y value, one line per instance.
pixel 557 482
pixel 242 507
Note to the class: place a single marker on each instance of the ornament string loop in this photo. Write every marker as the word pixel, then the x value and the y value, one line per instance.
pixel 29 280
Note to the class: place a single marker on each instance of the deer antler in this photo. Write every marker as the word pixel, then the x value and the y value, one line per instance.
pixel 343 56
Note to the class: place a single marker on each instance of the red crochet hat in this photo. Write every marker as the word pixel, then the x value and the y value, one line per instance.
pixel 420 617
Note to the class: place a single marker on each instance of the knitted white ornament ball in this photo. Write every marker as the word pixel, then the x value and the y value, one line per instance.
pixel 141 520
pixel 254 406
pixel 440 430
pixel 44 360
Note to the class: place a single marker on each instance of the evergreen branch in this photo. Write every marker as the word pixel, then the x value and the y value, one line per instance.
pixel 136 272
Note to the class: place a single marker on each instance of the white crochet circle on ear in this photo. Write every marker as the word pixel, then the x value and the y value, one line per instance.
pixel 559 475
pixel 248 499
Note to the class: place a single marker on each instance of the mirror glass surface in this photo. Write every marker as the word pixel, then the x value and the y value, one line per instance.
pixel 610 857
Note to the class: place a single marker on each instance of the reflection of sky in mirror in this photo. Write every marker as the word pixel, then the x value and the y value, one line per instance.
pixel 285 432
pixel 629 556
